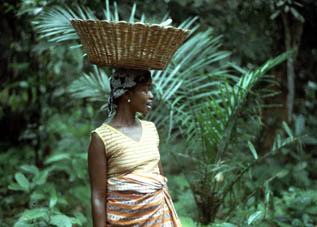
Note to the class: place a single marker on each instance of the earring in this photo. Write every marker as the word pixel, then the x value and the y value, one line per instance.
pixel 129 100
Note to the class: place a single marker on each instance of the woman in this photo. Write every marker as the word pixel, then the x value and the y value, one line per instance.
pixel 127 186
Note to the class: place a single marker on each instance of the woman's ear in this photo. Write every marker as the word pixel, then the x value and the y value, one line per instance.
pixel 129 94
pixel 126 96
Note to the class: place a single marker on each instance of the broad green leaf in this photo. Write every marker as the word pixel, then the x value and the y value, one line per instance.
pixel 252 149
pixel 300 166
pixel 22 181
pixel 275 14
pixel 33 214
pixel 15 187
pixel 310 140
pixel 280 3
pixel 38 196
pixel 41 178
pixel 76 221
pixel 225 224
pixel 30 168
pixel 282 173
pixel 61 221
pixel 251 201
pixel 80 218
pixel 254 217
pixel 53 197
pixel 21 223
pixel 287 129
pixel 57 157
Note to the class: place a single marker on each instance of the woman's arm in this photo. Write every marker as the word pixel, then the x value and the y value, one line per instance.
pixel 98 180
pixel 160 168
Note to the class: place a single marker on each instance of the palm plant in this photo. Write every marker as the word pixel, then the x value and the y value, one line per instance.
pixel 216 120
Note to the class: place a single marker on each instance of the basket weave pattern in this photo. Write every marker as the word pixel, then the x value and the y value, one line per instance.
pixel 129 45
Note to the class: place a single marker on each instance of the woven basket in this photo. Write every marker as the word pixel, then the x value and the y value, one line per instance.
pixel 129 45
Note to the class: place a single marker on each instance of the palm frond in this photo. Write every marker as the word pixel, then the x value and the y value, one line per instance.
pixel 93 86
pixel 184 78
pixel 56 26
pixel 55 23
pixel 217 117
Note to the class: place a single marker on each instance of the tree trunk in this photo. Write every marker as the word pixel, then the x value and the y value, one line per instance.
pixel 293 30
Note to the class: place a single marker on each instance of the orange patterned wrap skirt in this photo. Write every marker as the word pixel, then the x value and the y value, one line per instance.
pixel 140 200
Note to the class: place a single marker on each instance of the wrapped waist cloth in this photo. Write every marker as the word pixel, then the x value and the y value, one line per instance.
pixel 140 200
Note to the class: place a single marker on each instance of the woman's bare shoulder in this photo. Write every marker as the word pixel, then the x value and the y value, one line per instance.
pixel 96 143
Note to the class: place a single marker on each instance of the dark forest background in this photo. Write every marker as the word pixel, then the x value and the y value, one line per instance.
pixel 237 118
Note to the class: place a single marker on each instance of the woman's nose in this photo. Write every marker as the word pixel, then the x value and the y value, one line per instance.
pixel 151 95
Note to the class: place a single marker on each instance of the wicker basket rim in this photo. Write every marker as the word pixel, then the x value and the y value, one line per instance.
pixel 131 23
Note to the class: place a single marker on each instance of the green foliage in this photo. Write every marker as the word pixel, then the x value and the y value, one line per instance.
pixel 45 217
pixel 187 222
pixel 182 197
pixel 212 123
pixel 297 207
pixel 46 196
pixel 242 23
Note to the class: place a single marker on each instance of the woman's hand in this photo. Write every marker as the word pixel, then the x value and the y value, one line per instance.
pixel 97 167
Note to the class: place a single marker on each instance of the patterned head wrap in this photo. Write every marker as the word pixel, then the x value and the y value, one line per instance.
pixel 122 81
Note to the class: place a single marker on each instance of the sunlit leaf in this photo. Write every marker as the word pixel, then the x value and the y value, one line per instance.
pixel 30 169
pixel 252 149
pixel 275 14
pixel 22 181
pixel 287 129
pixel 61 221
pixel 33 214
pixel 53 197
pixel 41 177
pixel 255 217
pixel 57 157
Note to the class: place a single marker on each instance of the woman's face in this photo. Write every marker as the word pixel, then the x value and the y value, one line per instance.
pixel 142 97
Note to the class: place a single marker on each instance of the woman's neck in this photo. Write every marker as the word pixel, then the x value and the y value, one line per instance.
pixel 124 117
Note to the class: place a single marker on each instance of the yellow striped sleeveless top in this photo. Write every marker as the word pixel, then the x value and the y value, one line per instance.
pixel 124 155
